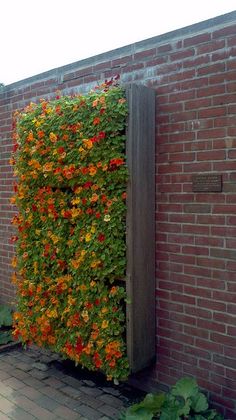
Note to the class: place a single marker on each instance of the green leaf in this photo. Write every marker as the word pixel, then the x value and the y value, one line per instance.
pixel 185 388
pixel 170 413
pixel 152 403
pixel 142 414
pixel 199 403
pixel 212 415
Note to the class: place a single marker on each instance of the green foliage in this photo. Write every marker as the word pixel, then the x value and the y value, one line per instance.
pixel 69 160
pixel 144 410
pixel 184 401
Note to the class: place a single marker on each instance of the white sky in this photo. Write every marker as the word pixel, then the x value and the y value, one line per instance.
pixel 38 35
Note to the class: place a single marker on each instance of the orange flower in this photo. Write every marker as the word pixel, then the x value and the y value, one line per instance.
pixel 41 134
pixel 96 121
pixel 53 137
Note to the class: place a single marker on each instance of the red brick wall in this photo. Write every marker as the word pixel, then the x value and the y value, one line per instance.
pixel 193 71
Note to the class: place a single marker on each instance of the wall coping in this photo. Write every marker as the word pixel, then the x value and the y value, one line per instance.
pixel 218 21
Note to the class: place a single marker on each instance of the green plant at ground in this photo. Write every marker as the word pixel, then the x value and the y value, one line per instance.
pixel 184 401
pixel 5 324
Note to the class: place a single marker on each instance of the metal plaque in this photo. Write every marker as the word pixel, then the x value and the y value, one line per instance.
pixel 207 183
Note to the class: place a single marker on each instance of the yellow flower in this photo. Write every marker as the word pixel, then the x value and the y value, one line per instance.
pixel 14 262
pixel 55 239
pixel 104 324
pixel 93 283
pixel 88 143
pixel 75 212
pixel 85 315
pixel 88 237
pixel 78 190
pixel 104 310
pixel 75 200
pixel 95 263
pixel 71 301
pixel 52 314
pixel 93 229
pixel 48 167
pixel 75 263
pixel 53 137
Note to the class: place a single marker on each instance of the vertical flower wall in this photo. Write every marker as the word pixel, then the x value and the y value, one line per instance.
pixel 69 160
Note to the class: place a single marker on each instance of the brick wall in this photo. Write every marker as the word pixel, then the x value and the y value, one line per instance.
pixel 193 71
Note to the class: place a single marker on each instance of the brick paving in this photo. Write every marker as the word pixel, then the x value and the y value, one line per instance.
pixel 36 384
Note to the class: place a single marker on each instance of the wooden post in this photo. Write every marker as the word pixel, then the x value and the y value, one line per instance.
pixel 140 235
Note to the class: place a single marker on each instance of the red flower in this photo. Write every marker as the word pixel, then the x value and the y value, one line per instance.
pixel 61 150
pixel 116 162
pixel 79 346
pixel 14 239
pixel 101 237
pixel 84 170
pixel 89 211
pixel 67 214
pixel 87 184
pixel 98 215
pixel 15 147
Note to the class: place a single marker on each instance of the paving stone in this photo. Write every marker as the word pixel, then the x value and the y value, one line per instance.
pixel 90 401
pixel 94 392
pixel 35 383
pixel 4 375
pixel 6 391
pixel 30 392
pixel 88 412
pixel 3 416
pixel 111 400
pixel 70 391
pixel 38 374
pixel 112 391
pixel 41 413
pixel 110 411
pixel 51 392
pixel 46 402
pixel 40 366
pixel 13 383
pixel 69 380
pixel 6 367
pixel 88 382
pixel 20 414
pixel 24 366
pixel 20 374
pixel 23 402
pixel 6 405
pixel 66 413
pixel 54 382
